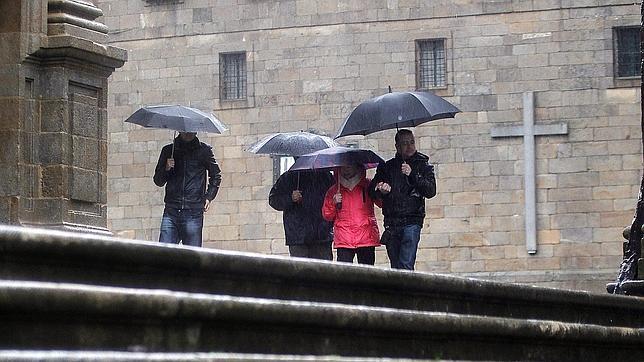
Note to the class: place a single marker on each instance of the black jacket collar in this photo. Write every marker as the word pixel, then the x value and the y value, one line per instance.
pixel 178 143
pixel 416 156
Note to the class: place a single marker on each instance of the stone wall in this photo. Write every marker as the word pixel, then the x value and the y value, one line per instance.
pixel 54 66
pixel 311 62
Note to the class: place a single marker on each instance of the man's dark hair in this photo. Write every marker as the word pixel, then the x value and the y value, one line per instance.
pixel 402 132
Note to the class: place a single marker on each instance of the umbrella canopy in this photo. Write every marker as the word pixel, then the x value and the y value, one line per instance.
pixel 291 144
pixel 178 118
pixel 336 157
pixel 394 110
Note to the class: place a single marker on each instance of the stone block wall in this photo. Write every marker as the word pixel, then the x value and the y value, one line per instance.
pixel 310 62
pixel 53 120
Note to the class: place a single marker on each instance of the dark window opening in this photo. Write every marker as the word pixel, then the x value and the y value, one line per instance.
pixel 232 76
pixel 430 64
pixel 627 52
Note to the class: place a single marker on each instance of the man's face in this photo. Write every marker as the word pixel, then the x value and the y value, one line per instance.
pixel 187 136
pixel 406 146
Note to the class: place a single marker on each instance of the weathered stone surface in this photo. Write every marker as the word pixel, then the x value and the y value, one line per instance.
pixel 84 115
pixel 86 153
pixel 85 185
pixel 102 318
pixel 153 297
pixel 54 181
pixel 127 263
pixel 75 356
pixel 53 72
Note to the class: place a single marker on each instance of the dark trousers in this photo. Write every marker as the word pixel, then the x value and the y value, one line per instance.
pixel 181 225
pixel 312 251
pixel 366 255
pixel 403 245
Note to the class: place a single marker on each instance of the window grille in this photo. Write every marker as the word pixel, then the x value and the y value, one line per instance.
pixel 430 64
pixel 232 76
pixel 627 48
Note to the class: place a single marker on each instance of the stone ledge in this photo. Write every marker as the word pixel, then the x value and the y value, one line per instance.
pixel 47 255
pixel 97 356
pixel 89 317
pixel 83 50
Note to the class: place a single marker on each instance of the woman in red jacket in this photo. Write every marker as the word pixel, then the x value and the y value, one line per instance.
pixel 349 207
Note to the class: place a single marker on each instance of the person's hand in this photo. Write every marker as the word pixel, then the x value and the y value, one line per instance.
pixel 296 196
pixel 169 164
pixel 337 198
pixel 405 168
pixel 207 206
pixel 383 187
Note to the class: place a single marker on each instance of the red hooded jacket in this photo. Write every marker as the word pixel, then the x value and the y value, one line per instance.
pixel 354 225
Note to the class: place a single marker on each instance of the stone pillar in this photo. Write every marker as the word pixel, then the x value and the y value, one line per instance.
pixel 53 114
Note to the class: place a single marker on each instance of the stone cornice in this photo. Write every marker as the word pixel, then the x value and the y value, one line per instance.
pixel 69 48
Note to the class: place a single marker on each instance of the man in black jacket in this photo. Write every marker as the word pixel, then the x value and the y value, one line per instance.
pixel 183 169
pixel 300 195
pixel 403 183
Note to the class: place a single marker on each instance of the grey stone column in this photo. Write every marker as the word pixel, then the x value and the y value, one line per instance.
pixel 53 114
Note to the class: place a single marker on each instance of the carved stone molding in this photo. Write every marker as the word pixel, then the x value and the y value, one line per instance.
pixel 77 18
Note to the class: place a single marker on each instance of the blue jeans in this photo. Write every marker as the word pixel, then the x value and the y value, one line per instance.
pixel 402 248
pixel 181 225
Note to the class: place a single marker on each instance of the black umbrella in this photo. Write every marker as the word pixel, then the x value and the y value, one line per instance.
pixel 394 110
pixel 337 157
pixel 291 144
pixel 178 118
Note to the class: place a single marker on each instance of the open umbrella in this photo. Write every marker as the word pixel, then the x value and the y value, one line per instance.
pixel 291 144
pixel 337 157
pixel 178 118
pixel 394 110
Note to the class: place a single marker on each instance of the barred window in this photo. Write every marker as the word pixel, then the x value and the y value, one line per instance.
pixel 430 63
pixel 627 52
pixel 232 76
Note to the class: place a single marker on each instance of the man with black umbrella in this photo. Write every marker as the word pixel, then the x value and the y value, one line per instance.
pixel 300 195
pixel 183 167
pixel 403 183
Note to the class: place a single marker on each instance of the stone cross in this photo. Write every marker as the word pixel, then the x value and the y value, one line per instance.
pixel 528 131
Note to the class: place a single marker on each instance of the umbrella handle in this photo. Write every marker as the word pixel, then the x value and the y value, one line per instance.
pixel 174 135
pixel 338 206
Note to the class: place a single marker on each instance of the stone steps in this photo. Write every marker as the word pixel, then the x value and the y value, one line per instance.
pixel 100 356
pixel 61 316
pixel 45 255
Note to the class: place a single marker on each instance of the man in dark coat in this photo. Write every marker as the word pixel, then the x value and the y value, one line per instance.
pixel 403 183
pixel 183 169
pixel 300 195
